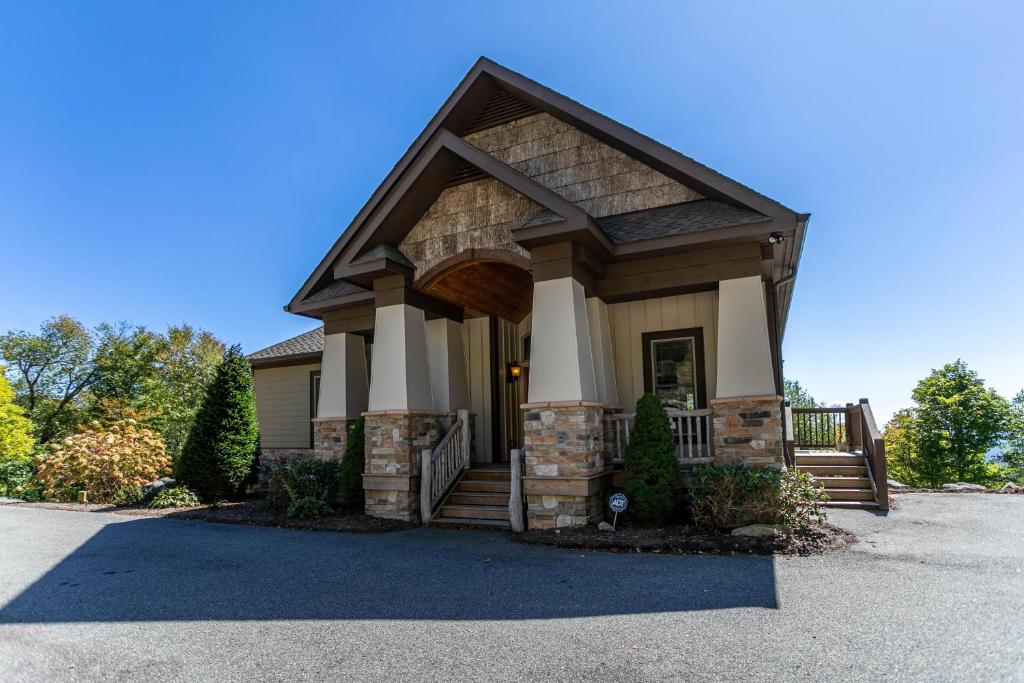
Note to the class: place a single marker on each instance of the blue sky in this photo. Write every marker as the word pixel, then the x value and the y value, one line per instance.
pixel 192 161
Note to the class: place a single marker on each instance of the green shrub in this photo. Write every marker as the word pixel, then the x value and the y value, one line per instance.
pixel 289 484
pixel 651 477
pixel 308 508
pixel 352 465
pixel 128 495
pixel 730 497
pixel 16 480
pixel 177 497
pixel 220 452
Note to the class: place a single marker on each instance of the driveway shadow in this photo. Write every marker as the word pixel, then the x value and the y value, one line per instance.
pixel 162 569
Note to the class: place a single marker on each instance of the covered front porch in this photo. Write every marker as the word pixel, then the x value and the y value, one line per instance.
pixel 515 366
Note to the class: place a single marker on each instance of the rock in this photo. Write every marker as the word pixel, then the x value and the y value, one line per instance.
pixel 605 526
pixel 158 485
pixel 1010 487
pixel 761 530
pixel 963 486
pixel 893 484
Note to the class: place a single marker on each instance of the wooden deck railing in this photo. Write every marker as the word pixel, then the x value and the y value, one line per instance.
pixel 442 466
pixel 692 430
pixel 820 428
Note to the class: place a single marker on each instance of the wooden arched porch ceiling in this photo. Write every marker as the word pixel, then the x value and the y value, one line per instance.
pixel 484 281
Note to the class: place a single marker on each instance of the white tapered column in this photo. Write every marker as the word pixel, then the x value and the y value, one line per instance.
pixel 744 351
pixel 447 360
pixel 344 387
pixel 401 374
pixel 601 345
pixel 561 364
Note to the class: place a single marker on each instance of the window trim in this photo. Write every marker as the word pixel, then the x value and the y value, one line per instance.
pixel 314 403
pixel 697 333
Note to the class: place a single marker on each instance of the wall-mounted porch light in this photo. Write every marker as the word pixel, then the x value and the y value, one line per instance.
pixel 515 371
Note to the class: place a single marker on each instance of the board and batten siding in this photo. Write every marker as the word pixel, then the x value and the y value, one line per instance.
pixel 282 405
pixel 477 342
pixel 629 321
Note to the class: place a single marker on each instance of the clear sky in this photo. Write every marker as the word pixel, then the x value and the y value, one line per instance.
pixel 192 161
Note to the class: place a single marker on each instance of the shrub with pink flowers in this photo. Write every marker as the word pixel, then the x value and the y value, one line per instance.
pixel 102 460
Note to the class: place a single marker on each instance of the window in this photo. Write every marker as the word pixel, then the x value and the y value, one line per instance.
pixel 314 402
pixel 674 367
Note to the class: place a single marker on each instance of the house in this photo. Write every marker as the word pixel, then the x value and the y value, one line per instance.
pixel 526 272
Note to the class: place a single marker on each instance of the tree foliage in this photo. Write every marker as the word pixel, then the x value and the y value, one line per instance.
pixel 51 370
pixel 16 440
pixel 66 375
pixel 352 465
pixel 221 448
pixel 651 476
pixel 797 396
pixel 946 435
pixel 1012 451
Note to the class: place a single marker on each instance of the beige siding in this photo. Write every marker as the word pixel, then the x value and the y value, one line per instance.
pixel 282 405
pixel 477 338
pixel 629 321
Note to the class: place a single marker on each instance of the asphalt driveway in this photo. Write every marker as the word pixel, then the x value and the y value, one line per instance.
pixel 934 591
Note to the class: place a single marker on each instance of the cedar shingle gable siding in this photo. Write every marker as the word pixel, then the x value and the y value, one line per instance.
pixel 480 214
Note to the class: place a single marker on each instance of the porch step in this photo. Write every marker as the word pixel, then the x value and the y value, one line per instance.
pixel 483 486
pixel 826 459
pixel 474 511
pixel 835 470
pixel 843 482
pixel 478 498
pixel 486 475
pixel 851 494
pixel 853 504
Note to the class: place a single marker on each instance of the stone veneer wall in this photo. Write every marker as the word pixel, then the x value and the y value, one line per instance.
pixel 564 474
pixel 748 431
pixel 330 435
pixel 394 441
pixel 272 457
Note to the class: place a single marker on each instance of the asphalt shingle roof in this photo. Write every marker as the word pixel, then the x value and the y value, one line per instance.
pixel 307 342
pixel 677 219
pixel 336 288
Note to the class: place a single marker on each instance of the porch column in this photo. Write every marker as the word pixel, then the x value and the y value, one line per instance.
pixel 401 420
pixel 747 408
pixel 447 360
pixel 564 476
pixel 601 345
pixel 344 390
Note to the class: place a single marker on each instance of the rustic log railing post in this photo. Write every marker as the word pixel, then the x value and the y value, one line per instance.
pixel 463 414
pixel 876 459
pixel 515 498
pixel 426 513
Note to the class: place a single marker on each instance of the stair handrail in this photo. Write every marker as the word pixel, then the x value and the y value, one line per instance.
pixel 873 447
pixel 442 466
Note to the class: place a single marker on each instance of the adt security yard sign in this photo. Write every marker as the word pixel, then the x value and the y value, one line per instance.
pixel 618 503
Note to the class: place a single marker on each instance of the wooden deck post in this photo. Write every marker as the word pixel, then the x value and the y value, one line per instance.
pixel 515 497
pixel 425 486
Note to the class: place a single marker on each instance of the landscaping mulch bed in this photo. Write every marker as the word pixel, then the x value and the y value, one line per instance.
pixel 245 512
pixel 683 540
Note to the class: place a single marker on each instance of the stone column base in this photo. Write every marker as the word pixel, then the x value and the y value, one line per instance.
pixel 748 431
pixel 394 440
pixel 564 475
pixel 330 435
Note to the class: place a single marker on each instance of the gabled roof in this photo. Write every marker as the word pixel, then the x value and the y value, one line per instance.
pixel 308 345
pixel 439 153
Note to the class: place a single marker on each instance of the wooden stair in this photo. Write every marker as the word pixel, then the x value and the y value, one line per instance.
pixel 844 476
pixel 479 498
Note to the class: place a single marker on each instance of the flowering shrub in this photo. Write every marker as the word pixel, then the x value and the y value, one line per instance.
pixel 729 497
pixel 102 460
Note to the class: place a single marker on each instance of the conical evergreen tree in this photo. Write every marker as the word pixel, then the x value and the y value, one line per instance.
pixel 651 477
pixel 221 448
pixel 351 483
